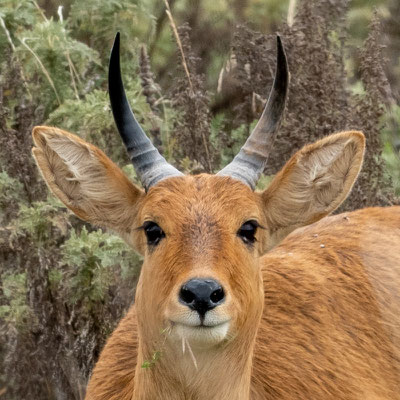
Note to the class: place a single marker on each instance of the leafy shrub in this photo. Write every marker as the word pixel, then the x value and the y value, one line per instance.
pixel 92 259
pixel 39 219
pixel 16 312
pixel 10 194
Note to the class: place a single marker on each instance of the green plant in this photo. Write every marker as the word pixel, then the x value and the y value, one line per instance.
pixel 10 194
pixel 16 311
pixel 92 258
pixel 39 219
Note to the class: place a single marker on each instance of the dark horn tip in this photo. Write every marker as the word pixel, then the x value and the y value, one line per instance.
pixel 119 104
pixel 115 48
pixel 282 69
pixel 279 45
pixel 116 40
pixel 282 59
pixel 279 41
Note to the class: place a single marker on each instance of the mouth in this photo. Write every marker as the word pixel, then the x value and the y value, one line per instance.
pixel 200 325
pixel 201 334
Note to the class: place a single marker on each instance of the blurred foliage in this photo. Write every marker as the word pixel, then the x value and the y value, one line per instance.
pixel 37 220
pixel 63 284
pixel 16 313
pixel 92 259
pixel 10 192
pixel 391 150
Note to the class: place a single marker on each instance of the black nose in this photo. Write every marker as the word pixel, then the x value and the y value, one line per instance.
pixel 201 295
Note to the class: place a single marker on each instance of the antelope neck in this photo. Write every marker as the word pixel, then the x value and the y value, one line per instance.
pixel 223 372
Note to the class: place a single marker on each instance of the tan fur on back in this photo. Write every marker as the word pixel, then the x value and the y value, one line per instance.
pixel 331 321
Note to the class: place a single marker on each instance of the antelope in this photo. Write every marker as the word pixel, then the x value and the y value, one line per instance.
pixel 242 294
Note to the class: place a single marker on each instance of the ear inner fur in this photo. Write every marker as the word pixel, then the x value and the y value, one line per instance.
pixel 313 183
pixel 85 179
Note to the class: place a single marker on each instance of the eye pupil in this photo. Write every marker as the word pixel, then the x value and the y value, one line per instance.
pixel 247 232
pixel 153 233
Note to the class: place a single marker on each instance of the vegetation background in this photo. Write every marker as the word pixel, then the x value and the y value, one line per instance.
pixel 63 284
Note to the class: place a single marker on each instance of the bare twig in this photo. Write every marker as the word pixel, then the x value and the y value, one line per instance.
pixel 178 41
pixel 291 12
pixel 159 28
pixel 68 57
pixel 40 10
pixel 7 32
pixel 76 73
pixel 71 71
pixel 44 70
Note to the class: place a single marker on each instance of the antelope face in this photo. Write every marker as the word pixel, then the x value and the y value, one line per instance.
pixel 201 259
pixel 201 236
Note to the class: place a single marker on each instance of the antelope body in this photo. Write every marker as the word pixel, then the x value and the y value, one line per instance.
pixel 330 327
pixel 214 316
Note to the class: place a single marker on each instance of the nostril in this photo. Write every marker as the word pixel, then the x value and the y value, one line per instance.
pixel 217 295
pixel 186 295
pixel 201 295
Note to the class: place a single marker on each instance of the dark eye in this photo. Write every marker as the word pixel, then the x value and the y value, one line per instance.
pixel 247 232
pixel 153 233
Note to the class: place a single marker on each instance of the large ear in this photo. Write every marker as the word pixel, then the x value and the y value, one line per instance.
pixel 313 183
pixel 85 179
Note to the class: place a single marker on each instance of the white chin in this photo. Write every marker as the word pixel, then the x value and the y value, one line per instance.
pixel 201 336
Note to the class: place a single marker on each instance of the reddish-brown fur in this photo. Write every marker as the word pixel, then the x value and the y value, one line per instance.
pixel 316 318
pixel 331 321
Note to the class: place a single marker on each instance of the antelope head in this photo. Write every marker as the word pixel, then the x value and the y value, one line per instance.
pixel 201 236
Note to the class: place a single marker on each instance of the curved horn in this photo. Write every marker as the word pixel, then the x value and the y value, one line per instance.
pixel 249 163
pixel 151 167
